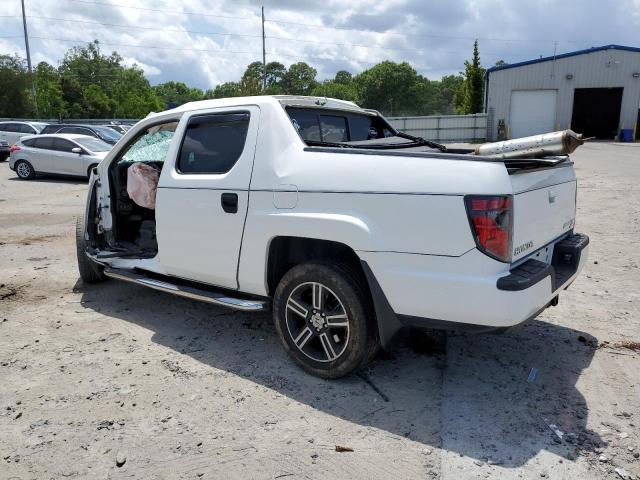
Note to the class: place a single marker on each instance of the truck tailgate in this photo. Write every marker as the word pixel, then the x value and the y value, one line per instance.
pixel 544 205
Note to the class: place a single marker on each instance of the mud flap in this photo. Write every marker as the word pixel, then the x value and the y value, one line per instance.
pixel 388 324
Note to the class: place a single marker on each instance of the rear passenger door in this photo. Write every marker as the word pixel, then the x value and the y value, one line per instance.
pixel 203 194
pixel 42 154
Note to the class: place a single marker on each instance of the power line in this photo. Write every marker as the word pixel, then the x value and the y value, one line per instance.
pixel 137 27
pixel 146 46
pixel 257 53
pixel 205 33
pixel 390 32
pixel 161 10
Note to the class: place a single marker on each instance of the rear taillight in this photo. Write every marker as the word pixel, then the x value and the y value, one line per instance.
pixel 14 148
pixel 491 219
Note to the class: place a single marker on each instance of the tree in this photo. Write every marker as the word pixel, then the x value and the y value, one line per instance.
pixel 173 94
pixel 228 89
pixel 389 87
pixel 451 87
pixel 96 103
pixel 89 83
pixel 300 79
pixel 343 77
pixel 334 89
pixel 93 84
pixel 133 95
pixel 15 85
pixel 49 91
pixel 276 72
pixel 473 89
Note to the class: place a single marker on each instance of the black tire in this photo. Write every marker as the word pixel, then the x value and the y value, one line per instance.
pixel 90 169
pixel 90 272
pixel 24 170
pixel 4 157
pixel 327 350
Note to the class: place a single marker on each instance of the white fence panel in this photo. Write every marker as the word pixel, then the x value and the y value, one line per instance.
pixel 444 128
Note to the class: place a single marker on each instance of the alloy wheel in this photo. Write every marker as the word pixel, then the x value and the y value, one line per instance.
pixel 24 170
pixel 317 322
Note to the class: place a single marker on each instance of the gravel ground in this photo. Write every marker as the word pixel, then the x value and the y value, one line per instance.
pixel 118 381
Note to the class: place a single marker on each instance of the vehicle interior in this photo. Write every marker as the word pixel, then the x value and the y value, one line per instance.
pixel 134 226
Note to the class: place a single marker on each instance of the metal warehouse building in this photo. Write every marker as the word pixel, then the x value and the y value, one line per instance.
pixel 595 92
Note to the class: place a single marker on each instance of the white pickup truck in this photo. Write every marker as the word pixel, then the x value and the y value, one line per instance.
pixel 347 229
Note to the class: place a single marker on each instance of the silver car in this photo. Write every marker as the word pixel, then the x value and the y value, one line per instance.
pixel 11 132
pixel 59 153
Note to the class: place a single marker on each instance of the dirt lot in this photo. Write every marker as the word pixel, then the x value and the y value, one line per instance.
pixel 92 375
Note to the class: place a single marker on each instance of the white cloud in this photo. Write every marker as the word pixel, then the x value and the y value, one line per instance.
pixel 207 42
pixel 149 70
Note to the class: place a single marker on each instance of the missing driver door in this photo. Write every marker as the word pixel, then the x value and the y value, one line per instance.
pixel 202 197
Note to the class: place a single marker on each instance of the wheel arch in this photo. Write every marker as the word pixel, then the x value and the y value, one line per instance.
pixel 284 252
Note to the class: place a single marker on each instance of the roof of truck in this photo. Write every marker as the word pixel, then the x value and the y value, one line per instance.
pixel 284 100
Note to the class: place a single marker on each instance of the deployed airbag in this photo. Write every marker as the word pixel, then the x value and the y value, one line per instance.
pixel 142 183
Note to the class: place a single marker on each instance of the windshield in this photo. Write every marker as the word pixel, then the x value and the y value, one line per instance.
pixel 325 125
pixel 93 144
pixel 108 133
pixel 38 126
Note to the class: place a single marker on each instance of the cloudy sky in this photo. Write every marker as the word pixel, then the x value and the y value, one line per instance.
pixel 207 42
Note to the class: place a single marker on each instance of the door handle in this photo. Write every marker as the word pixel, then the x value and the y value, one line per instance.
pixel 229 202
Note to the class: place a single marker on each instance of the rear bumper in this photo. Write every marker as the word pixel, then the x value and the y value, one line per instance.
pixel 469 292
pixel 565 263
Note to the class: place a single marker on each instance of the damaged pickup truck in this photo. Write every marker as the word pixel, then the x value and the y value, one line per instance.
pixel 346 228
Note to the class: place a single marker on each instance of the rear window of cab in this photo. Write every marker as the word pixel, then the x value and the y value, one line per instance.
pixel 335 126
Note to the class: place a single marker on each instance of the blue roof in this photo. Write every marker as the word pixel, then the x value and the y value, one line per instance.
pixel 563 55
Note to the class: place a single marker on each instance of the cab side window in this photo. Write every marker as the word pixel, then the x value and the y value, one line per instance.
pixel 24 128
pixel 213 143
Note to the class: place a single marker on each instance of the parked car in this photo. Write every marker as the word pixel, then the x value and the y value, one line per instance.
pixel 321 211
pixel 60 153
pixel 4 150
pixel 118 127
pixel 105 134
pixel 11 132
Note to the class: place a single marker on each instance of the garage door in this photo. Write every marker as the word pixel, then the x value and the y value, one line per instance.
pixel 532 112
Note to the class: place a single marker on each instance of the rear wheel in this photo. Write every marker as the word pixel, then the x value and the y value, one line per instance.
pixel 90 272
pixel 324 319
pixel 25 170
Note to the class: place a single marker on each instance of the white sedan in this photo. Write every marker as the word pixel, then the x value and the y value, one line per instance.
pixel 64 154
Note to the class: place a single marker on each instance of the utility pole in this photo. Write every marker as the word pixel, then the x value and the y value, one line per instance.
pixel 264 55
pixel 26 43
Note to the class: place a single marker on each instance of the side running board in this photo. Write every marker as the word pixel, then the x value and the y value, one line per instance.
pixel 209 296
